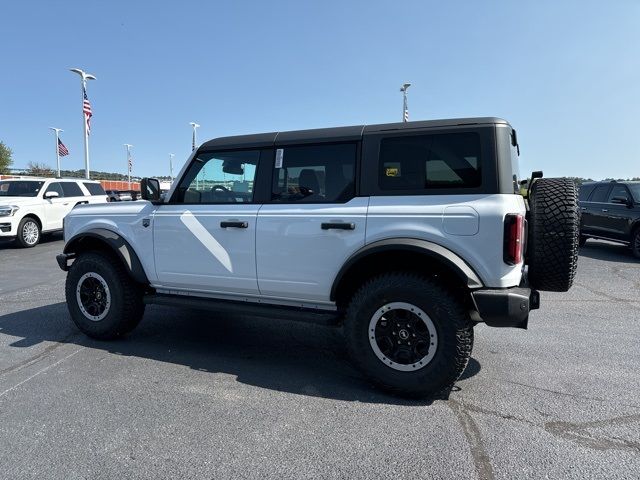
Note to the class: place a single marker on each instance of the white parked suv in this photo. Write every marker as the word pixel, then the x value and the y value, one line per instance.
pixel 32 206
pixel 407 235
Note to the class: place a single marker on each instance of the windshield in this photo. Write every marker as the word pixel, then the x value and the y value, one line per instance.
pixel 635 190
pixel 20 188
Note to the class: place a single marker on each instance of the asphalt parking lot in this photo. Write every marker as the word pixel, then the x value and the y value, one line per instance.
pixel 190 395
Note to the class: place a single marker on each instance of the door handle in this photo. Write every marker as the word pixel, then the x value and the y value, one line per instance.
pixel 583 208
pixel 605 210
pixel 338 226
pixel 234 224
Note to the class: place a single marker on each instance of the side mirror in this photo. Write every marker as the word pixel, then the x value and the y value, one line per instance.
pixel 622 200
pixel 150 189
pixel 51 194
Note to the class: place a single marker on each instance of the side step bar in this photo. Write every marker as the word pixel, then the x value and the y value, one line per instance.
pixel 308 315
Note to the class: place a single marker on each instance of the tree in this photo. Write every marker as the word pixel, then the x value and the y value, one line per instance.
pixel 5 158
pixel 39 170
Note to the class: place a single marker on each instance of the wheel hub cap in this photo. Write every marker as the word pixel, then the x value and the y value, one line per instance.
pixel 93 296
pixel 30 233
pixel 403 336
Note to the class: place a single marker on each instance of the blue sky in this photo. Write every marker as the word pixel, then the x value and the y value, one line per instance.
pixel 565 74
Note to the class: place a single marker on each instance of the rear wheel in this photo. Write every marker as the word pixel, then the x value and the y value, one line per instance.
pixel 28 233
pixel 635 243
pixel 408 335
pixel 554 230
pixel 103 300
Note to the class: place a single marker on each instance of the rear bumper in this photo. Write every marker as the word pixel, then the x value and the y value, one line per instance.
pixel 506 307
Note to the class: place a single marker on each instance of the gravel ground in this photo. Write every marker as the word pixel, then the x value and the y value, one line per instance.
pixel 192 395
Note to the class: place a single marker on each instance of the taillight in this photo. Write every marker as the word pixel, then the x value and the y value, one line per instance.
pixel 513 238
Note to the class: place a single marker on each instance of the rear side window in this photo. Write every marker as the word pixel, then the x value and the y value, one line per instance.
pixel 94 188
pixel 430 162
pixel 585 191
pixel 314 173
pixel 599 194
pixel 71 189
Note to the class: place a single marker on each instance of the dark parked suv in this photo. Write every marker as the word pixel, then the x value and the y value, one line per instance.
pixel 611 211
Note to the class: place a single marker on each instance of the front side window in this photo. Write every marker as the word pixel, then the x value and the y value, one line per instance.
pixel 618 191
pixel 20 188
pixel 635 191
pixel 220 177
pixel 430 162
pixel 55 187
pixel 314 173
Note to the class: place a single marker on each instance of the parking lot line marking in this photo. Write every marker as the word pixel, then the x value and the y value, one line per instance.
pixel 40 371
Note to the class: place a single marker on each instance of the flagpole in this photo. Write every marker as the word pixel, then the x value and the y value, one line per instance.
pixel 57 130
pixel 83 87
pixel 171 155
pixel 405 108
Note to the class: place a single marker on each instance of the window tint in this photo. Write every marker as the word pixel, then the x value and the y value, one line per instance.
pixel 94 188
pixel 585 191
pixel 315 173
pixel 71 189
pixel 599 194
pixel 55 187
pixel 221 177
pixel 430 161
pixel 20 188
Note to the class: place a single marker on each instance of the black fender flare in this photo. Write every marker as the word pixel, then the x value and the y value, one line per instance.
pixel 116 243
pixel 457 265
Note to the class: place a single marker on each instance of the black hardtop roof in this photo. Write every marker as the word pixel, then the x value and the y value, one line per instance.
pixel 338 134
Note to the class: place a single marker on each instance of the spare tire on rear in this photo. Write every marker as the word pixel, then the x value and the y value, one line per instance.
pixel 554 231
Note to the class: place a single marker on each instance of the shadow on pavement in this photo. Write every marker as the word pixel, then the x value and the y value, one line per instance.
pixel 608 251
pixel 44 239
pixel 281 355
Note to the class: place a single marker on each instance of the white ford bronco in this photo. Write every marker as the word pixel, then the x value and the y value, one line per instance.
pixel 406 235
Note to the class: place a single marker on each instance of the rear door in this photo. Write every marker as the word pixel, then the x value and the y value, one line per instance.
pixel 313 222
pixel 594 210
pixel 204 238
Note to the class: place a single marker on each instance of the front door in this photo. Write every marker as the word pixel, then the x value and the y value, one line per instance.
pixel 55 208
pixel 204 238
pixel 312 224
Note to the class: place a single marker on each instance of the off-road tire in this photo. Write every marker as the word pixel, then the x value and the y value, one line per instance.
pixel 635 242
pixel 126 305
pixel 583 241
pixel 454 330
pixel 554 229
pixel 21 240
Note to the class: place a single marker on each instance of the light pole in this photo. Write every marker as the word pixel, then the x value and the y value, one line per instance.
pixel 194 125
pixel 86 114
pixel 128 147
pixel 57 130
pixel 171 155
pixel 405 109
pixel 193 138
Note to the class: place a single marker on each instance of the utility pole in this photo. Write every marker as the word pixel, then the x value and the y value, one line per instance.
pixel 86 114
pixel 57 130
pixel 405 108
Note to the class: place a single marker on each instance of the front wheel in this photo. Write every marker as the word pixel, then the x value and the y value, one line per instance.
pixel 103 300
pixel 408 335
pixel 28 233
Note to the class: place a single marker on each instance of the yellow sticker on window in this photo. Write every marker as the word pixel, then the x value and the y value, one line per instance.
pixel 391 172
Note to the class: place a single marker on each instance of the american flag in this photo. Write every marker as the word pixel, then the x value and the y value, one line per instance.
pixel 406 115
pixel 62 150
pixel 86 108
